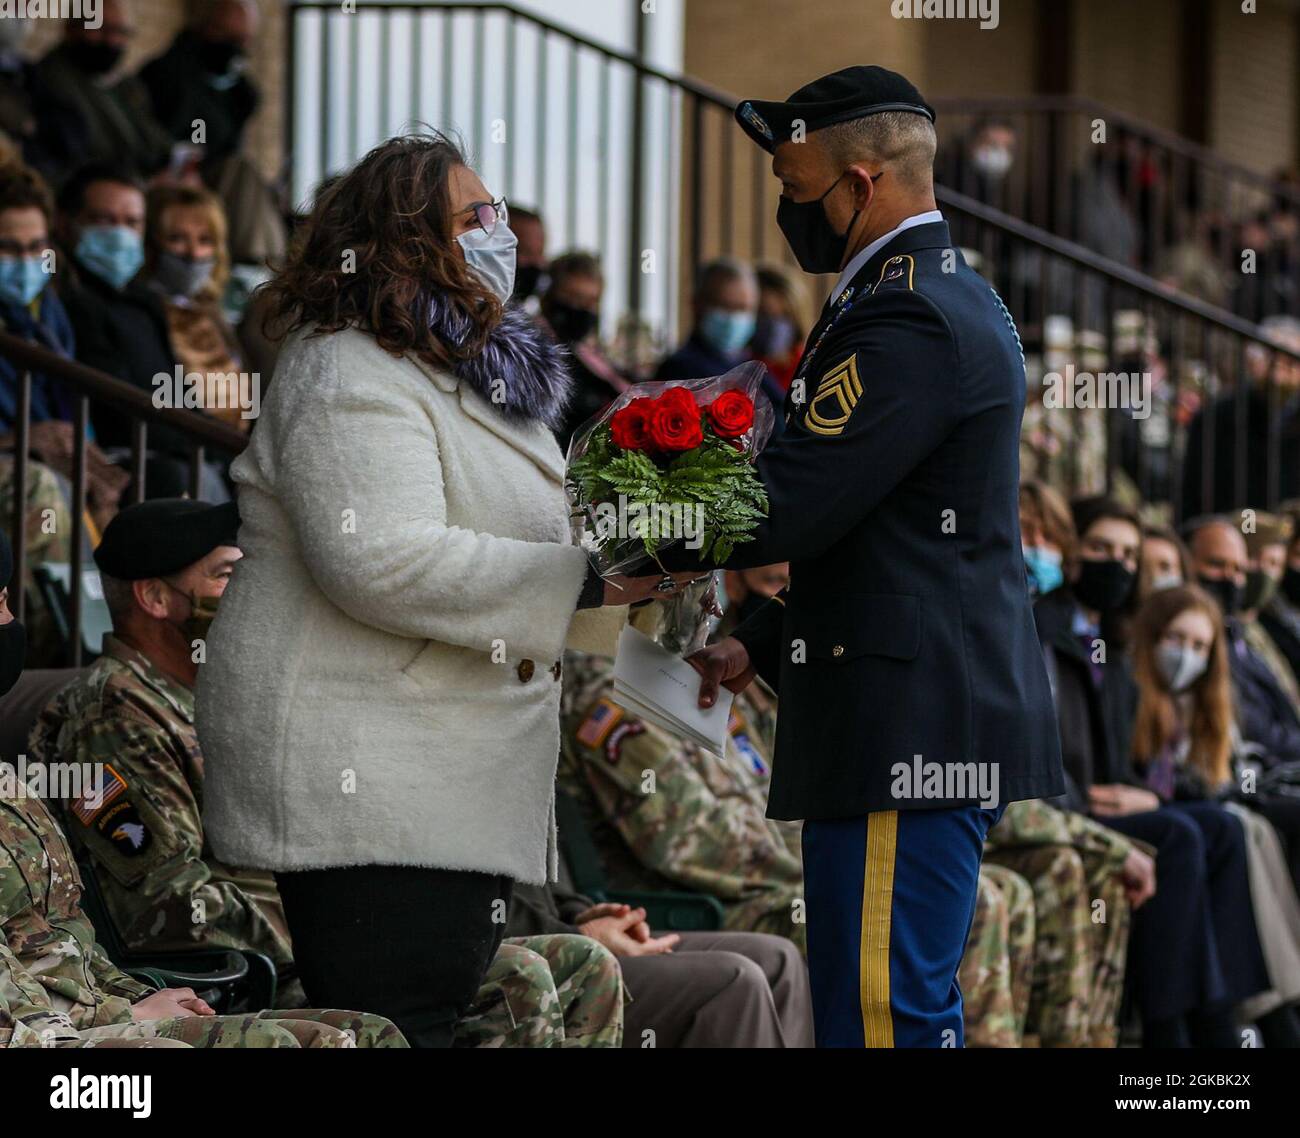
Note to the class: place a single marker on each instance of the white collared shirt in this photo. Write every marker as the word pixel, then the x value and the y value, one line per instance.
pixel 851 269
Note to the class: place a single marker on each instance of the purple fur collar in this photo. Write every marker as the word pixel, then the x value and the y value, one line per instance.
pixel 521 372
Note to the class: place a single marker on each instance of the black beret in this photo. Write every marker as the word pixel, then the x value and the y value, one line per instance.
pixel 852 93
pixel 164 536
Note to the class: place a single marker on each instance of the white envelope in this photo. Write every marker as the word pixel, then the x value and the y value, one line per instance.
pixel 656 685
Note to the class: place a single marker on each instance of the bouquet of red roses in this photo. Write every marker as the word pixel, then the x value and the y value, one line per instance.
pixel 670 462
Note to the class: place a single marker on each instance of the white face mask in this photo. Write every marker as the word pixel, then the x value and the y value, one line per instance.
pixel 492 257
pixel 994 161
pixel 1181 666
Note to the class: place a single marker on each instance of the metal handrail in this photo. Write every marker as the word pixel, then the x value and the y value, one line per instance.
pixel 1115 272
pixel 1085 105
pixel 87 383
pixel 118 393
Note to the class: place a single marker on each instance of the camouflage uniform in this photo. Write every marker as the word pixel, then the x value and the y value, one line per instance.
pixel 49 538
pixel 1083 918
pixel 163 887
pixel 547 991
pixel 997 967
pixel 59 989
pixel 666 814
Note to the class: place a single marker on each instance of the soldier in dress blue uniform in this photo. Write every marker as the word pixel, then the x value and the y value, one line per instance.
pixel 914 703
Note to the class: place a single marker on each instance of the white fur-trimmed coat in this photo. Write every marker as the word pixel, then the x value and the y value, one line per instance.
pixel 406 549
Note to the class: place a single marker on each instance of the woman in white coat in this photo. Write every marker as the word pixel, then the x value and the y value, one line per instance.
pixel 379 707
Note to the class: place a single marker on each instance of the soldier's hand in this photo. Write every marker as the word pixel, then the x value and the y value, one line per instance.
pixel 1139 876
pixel 604 909
pixel 726 663
pixel 160 1005
pixel 617 933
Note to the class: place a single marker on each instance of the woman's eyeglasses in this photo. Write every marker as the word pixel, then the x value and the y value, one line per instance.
pixel 489 214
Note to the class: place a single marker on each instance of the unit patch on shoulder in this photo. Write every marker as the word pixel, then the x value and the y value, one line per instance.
pixel 123 826
pixel 837 394
pixel 624 731
pixel 600 721
pixel 108 784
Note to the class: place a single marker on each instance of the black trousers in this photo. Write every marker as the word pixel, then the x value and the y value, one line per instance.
pixel 407 943
pixel 1194 944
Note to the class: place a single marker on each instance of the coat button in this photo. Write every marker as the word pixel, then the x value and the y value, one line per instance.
pixel 525 670
pixel 555 670
pixel 838 650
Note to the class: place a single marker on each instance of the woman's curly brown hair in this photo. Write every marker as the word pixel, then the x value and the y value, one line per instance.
pixel 377 246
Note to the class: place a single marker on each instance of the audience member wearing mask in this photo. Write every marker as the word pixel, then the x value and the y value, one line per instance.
pixel 725 317
pixel 203 75
pixel 1281 614
pixel 570 310
pixel 29 308
pixel 1165 561
pixel 186 266
pixel 438 432
pixel 1267 721
pixel 1269 375
pixel 530 256
pixel 82 118
pixel 1266 537
pixel 1184 992
pixel 1182 747
pixel 119 322
pixel 1266 716
pixel 782 323
pixel 1046 536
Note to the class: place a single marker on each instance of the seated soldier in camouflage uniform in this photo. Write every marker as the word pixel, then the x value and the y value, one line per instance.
pixel 1086 879
pixel 130 719
pixel 59 989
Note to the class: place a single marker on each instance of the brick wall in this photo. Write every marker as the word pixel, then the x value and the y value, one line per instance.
pixel 1253 115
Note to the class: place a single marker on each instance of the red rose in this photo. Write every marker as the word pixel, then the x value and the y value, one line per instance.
pixel 680 397
pixel 628 426
pixel 674 425
pixel 731 413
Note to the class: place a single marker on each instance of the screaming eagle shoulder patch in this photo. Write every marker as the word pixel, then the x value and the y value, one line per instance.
pixel 123 826
pixel 837 394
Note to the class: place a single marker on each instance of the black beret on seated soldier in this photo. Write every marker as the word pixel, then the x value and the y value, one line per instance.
pixel 161 537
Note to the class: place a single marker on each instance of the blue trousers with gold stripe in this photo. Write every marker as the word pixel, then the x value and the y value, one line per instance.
pixel 890 900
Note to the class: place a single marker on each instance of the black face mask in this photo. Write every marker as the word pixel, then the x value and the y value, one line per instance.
pixel 526 278
pixel 815 245
pixel 217 57
pixel 13 648
pixel 1103 585
pixel 95 58
pixel 570 323
pixel 1290 585
pixel 1226 592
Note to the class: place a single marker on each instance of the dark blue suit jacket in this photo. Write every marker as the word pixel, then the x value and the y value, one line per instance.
pixel 907 628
